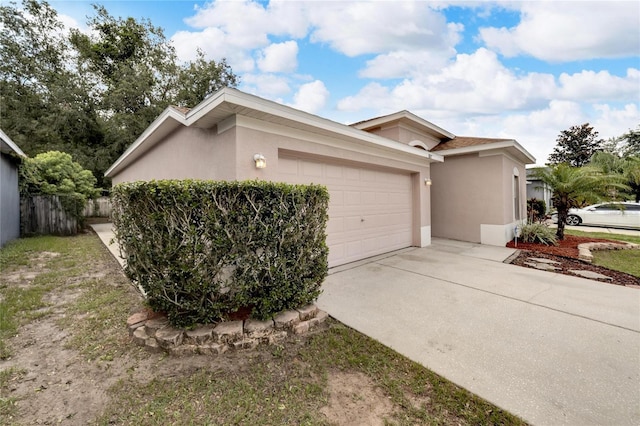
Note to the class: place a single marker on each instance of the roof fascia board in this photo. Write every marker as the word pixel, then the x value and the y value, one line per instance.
pixel 269 107
pixel 11 144
pixel 507 153
pixel 409 116
pixel 168 113
pixel 236 97
pixel 526 153
pixel 205 106
pixel 417 156
pixel 488 147
pixel 283 111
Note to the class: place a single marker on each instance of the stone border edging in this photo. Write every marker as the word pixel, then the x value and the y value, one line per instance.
pixel 155 333
pixel 585 249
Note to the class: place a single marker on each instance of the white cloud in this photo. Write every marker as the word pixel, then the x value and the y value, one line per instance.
pixel 279 57
pixel 399 64
pixel 568 31
pixel 234 29
pixel 250 20
pixel 410 37
pixel 216 45
pixel 595 86
pixel 266 85
pixel 373 95
pixel 357 28
pixel 311 97
pixel 71 23
pixel 612 122
pixel 476 83
pixel 479 83
pixel 538 130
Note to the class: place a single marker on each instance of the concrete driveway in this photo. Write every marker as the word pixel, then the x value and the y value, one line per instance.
pixel 550 348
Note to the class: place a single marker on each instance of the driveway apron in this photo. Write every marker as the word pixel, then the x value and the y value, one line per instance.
pixel 547 347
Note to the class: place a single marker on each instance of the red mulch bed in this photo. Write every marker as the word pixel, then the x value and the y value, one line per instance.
pixel 566 252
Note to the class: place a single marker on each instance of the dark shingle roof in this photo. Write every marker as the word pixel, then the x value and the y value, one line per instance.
pixel 466 141
pixel 183 110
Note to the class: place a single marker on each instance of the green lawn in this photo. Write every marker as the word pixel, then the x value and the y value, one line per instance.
pixel 627 261
pixel 289 383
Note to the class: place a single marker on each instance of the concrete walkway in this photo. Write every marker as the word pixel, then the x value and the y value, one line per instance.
pixel 550 348
pixel 105 233
pixel 553 349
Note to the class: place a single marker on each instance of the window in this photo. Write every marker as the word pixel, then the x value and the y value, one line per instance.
pixel 516 197
pixel 606 207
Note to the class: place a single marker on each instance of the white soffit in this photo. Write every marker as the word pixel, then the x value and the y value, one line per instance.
pixel 405 116
pixel 7 145
pixel 513 145
pixel 227 102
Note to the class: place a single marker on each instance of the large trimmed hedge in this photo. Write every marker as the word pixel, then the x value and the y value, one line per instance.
pixel 200 249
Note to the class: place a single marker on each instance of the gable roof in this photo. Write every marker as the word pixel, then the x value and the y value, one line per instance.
pixel 228 102
pixel 467 144
pixel 8 146
pixel 405 117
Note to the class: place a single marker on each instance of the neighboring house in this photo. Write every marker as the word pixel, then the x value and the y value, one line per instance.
pixel 538 189
pixel 378 172
pixel 10 156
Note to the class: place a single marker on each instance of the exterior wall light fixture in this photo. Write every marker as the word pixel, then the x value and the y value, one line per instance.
pixel 427 182
pixel 261 162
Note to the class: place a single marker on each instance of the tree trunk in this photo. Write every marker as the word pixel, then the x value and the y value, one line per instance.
pixel 563 212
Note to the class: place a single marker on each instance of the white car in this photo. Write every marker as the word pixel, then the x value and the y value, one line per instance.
pixel 612 214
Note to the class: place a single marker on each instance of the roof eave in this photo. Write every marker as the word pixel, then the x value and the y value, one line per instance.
pixel 146 140
pixel 522 153
pixel 10 146
pixel 375 122
pixel 245 100
pixel 253 102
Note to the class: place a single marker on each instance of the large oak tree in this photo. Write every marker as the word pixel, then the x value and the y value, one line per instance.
pixel 576 146
pixel 91 94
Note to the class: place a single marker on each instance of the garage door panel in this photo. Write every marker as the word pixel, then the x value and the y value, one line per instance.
pixel 351 174
pixel 352 198
pixel 337 197
pixel 288 167
pixel 369 199
pixel 335 172
pixel 335 225
pixel 312 169
pixel 370 211
pixel 370 176
pixel 336 253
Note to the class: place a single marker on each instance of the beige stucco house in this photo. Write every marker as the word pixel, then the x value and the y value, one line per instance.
pixel 394 181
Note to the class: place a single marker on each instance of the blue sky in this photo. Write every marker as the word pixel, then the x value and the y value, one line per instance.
pixel 521 70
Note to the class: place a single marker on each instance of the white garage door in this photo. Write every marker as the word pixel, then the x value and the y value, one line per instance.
pixel 370 211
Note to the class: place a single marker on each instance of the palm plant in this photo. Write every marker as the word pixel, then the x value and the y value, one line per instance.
pixel 632 176
pixel 573 186
pixel 628 167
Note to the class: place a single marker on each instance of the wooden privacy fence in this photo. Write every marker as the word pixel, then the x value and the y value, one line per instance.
pixel 100 207
pixel 43 215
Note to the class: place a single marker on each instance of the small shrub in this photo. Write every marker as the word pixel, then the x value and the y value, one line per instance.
pixel 538 233
pixel 201 249
pixel 536 210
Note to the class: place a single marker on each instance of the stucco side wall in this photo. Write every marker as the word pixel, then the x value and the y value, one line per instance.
pixel 387 132
pixel 9 201
pixel 187 153
pixel 273 139
pixel 406 134
pixel 467 191
pixel 511 168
